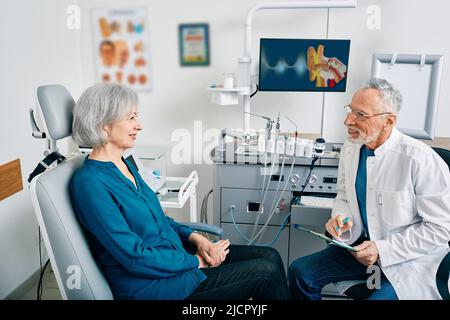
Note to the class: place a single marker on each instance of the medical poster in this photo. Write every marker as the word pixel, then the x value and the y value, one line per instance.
pixel 194 44
pixel 121 44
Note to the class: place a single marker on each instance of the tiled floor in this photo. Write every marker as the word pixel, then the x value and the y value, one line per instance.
pixel 50 289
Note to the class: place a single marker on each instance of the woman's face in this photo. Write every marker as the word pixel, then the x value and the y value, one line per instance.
pixel 122 134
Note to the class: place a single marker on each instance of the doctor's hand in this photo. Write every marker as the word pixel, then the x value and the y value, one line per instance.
pixel 367 253
pixel 336 227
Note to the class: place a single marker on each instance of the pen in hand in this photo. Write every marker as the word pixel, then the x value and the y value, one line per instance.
pixel 337 225
pixel 343 222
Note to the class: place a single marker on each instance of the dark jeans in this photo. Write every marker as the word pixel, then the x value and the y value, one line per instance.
pixel 247 272
pixel 308 275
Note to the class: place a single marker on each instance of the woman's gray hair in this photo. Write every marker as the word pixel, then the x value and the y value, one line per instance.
pixel 391 97
pixel 98 106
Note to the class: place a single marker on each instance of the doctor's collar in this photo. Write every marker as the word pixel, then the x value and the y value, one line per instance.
pixel 393 137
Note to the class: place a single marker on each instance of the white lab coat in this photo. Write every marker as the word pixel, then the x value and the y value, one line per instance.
pixel 408 210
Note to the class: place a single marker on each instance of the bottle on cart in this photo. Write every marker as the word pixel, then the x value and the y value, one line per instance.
pixel 290 146
pixel 309 149
pixel 261 143
pixel 300 148
pixel 270 145
pixel 281 145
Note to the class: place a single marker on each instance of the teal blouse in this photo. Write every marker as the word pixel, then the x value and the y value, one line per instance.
pixel 141 250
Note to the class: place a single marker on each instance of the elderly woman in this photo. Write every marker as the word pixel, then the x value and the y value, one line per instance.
pixel 143 253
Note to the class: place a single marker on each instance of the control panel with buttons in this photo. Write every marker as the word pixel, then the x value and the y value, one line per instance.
pixel 322 179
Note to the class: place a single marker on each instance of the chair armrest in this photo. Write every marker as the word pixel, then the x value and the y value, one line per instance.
pixel 203 227
pixel 442 275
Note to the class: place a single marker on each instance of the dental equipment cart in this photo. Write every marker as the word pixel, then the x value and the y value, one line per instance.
pixel 172 192
pixel 239 189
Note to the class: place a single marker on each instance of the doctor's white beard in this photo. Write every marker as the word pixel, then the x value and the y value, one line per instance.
pixel 362 138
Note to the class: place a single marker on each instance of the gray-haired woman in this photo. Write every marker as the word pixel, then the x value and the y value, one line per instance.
pixel 143 253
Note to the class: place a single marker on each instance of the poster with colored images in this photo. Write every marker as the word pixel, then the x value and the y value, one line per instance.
pixel 194 44
pixel 121 43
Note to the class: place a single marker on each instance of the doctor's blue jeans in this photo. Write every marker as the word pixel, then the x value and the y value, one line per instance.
pixel 308 275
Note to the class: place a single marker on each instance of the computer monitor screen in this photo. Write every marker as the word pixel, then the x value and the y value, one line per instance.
pixel 303 65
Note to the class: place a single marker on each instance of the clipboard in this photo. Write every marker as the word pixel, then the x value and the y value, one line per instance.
pixel 324 237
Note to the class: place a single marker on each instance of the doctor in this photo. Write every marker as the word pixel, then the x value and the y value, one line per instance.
pixel 395 191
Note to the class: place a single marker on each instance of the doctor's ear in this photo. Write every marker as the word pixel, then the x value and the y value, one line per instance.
pixel 391 119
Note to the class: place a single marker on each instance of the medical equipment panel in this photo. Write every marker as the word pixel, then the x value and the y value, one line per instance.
pixel 251 207
pixel 234 208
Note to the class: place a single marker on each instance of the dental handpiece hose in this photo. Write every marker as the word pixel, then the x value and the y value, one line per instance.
pixel 272 211
pixel 265 188
pixel 274 203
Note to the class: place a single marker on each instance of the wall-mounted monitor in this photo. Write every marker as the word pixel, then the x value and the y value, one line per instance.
pixel 303 65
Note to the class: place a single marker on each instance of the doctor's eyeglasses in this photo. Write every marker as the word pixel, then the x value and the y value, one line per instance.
pixel 360 115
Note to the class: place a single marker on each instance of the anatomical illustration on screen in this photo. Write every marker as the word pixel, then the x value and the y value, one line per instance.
pixel 325 71
pixel 303 65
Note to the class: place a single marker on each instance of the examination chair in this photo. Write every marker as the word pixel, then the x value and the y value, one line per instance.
pixel 77 273
pixel 358 290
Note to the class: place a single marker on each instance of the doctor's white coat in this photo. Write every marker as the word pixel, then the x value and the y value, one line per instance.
pixel 408 210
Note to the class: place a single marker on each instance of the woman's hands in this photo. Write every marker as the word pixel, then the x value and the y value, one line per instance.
pixel 201 262
pixel 213 253
pixel 209 254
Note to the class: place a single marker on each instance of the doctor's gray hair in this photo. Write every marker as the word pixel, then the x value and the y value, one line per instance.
pixel 98 106
pixel 391 97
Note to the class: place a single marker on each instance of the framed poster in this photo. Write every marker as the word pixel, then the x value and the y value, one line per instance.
pixel 418 78
pixel 194 44
pixel 121 47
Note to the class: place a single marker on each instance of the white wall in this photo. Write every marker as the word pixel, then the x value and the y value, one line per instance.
pixel 407 27
pixel 36 49
pixel 41 50
pixel 179 97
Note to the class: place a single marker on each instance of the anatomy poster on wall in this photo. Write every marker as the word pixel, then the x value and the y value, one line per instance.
pixel 121 44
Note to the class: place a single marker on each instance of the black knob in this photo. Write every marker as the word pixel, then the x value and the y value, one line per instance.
pixel 320 140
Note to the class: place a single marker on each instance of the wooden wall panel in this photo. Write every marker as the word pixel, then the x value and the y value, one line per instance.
pixel 10 179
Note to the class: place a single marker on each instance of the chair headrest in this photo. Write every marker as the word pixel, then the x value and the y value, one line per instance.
pixel 57 106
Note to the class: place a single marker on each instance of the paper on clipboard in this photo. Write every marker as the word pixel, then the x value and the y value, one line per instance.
pixel 324 237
